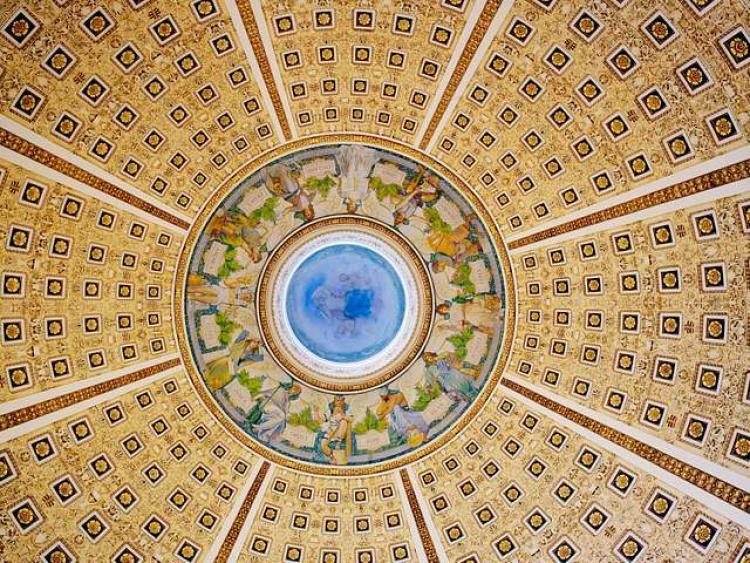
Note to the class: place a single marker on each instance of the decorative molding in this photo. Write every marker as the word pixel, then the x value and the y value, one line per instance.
pixel 31 412
pixel 470 49
pixel 675 449
pixel 735 496
pixel 425 507
pixel 320 375
pixel 77 384
pixel 36 153
pixel 726 175
pixel 723 160
pixel 327 139
pixel 256 42
pixel 234 531
pixel 416 511
pixel 244 40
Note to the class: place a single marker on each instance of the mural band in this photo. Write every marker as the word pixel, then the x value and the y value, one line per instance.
pixel 344 305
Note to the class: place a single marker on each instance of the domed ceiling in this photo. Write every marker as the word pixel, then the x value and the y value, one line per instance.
pixel 436 281
pixel 344 306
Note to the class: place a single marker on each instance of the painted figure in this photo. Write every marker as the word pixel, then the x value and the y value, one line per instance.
pixel 242 352
pixel 404 425
pixel 443 310
pixel 235 292
pixel 454 383
pixel 302 206
pixel 336 443
pixel 234 228
pixel 482 313
pixel 280 181
pixel 420 190
pixel 455 244
pixel 267 419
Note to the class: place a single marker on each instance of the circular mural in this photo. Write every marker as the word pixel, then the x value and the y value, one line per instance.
pixel 344 306
pixel 344 303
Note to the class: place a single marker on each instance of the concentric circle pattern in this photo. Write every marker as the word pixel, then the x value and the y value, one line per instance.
pixel 344 306
pixel 349 281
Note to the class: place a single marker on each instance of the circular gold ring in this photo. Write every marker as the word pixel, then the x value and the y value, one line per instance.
pixel 284 354
pixel 232 182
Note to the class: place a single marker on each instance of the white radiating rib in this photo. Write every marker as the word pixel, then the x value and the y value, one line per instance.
pixel 54 416
pixel 705 196
pixel 704 465
pixel 80 162
pixel 239 27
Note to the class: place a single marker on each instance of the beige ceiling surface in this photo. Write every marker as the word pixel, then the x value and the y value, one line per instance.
pixel 608 139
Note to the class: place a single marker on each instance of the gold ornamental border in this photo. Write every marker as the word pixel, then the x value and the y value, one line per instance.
pixel 233 534
pixel 43 408
pixel 424 532
pixel 721 177
pixel 729 493
pixel 490 9
pixel 335 139
pixel 44 157
pixel 417 340
pixel 256 43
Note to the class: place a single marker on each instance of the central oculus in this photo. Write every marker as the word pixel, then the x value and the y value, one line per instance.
pixel 345 303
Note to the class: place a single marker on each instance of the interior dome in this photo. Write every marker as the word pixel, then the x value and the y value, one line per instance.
pixel 449 281
pixel 344 307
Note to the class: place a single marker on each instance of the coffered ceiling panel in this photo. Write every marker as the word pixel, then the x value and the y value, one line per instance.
pixel 377 68
pixel 645 323
pixel 159 95
pixel 577 102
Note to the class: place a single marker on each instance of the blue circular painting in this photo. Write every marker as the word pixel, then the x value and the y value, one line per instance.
pixel 345 303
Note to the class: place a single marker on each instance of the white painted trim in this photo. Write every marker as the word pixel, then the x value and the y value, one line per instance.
pixel 245 530
pixel 705 167
pixel 239 27
pixel 65 154
pixel 692 458
pixel 424 507
pixel 53 417
pixel 707 499
pixel 466 32
pixel 469 75
pixel 229 519
pixel 57 177
pixel 265 37
pixel 703 198
pixel 34 398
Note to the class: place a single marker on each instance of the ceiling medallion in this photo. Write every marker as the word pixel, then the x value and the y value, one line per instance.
pixel 345 303
pixel 344 308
